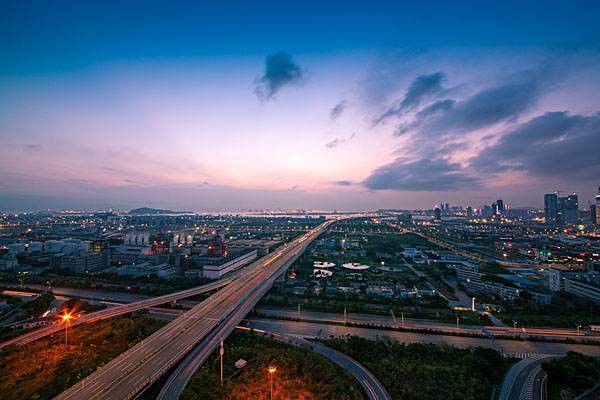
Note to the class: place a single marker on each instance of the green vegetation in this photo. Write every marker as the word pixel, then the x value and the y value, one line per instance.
pixel 492 268
pixel 565 311
pixel 574 374
pixel 38 306
pixel 78 305
pixel 143 285
pixel 437 275
pixel 427 371
pixel 11 304
pixel 380 247
pixel 300 374
pixel 57 367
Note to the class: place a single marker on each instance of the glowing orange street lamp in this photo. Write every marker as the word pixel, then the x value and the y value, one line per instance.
pixel 271 370
pixel 66 318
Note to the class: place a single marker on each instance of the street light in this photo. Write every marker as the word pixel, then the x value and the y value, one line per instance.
pixel 66 318
pixel 271 370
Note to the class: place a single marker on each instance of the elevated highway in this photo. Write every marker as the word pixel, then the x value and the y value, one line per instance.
pixel 207 323
pixel 115 311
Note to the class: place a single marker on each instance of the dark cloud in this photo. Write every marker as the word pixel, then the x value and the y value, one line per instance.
pixel 280 70
pixel 422 87
pixel 339 141
pixel 33 147
pixel 446 121
pixel 436 107
pixel 343 182
pixel 421 175
pixel 555 144
pixel 503 102
pixel 338 109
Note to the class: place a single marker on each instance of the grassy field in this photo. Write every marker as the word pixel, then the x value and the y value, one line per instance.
pixel 43 369
pixel 300 374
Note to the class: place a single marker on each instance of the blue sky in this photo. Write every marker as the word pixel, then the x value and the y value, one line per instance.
pixel 228 105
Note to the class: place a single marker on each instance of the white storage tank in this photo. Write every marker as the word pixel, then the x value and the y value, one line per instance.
pixel 16 248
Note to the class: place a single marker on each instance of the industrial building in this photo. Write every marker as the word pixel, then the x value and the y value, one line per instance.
pixel 216 267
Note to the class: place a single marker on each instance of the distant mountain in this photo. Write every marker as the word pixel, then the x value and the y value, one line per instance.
pixel 146 210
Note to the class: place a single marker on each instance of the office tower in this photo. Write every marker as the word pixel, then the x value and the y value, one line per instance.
pixel 570 209
pixel 562 205
pixel 494 209
pixel 593 213
pixel 487 211
pixel 437 214
pixel 598 207
pixel 469 212
pixel 551 208
pixel 500 206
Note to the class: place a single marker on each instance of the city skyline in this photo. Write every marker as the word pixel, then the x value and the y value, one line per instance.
pixel 350 200
pixel 397 106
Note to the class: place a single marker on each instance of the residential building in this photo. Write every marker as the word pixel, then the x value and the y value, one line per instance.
pixel 82 261
pixel 551 208
pixel 583 289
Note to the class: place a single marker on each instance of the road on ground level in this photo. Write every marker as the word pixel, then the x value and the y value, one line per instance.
pixel 324 330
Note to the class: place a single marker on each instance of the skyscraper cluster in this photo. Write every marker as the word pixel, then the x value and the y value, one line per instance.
pixel 561 210
pixel 496 209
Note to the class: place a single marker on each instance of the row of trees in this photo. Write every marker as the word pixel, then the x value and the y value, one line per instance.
pixel 427 371
pixel 575 373
pixel 565 310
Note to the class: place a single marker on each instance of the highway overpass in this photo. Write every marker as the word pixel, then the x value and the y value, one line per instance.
pixel 132 371
pixel 115 311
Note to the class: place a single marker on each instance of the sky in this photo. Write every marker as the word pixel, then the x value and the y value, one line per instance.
pixel 229 106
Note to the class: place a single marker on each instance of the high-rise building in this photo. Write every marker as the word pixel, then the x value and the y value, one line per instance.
pixel 469 212
pixel 500 206
pixel 570 208
pixel 593 213
pixel 598 207
pixel 437 213
pixel 494 209
pixel 551 208
pixel 486 211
